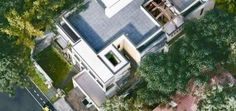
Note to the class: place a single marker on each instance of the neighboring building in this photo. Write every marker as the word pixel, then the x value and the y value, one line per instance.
pixel 109 35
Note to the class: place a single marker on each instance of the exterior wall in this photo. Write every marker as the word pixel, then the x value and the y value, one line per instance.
pixel 86 67
pixel 121 73
pixel 209 5
pixel 125 44
pixel 191 5
pixel 63 34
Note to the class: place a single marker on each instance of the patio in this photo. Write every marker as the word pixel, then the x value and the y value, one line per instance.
pixel 74 98
pixel 98 30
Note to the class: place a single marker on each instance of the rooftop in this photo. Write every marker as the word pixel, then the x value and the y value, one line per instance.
pixel 181 4
pixel 75 98
pixel 91 88
pixel 90 58
pixel 109 3
pixel 62 105
pixel 98 30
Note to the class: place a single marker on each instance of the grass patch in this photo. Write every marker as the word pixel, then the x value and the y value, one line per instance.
pixel 53 64
pixel 69 86
pixel 38 80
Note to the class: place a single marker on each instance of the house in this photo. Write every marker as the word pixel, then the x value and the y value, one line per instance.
pixel 104 40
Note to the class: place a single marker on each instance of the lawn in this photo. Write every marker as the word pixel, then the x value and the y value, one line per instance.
pixel 53 64
pixel 37 79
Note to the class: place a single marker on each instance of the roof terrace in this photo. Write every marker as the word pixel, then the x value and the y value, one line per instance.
pixel 98 30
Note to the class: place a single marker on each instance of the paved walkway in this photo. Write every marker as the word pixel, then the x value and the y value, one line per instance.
pixel 51 92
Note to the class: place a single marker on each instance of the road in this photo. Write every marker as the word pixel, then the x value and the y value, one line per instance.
pixel 22 101
pixel 39 97
pixel 27 99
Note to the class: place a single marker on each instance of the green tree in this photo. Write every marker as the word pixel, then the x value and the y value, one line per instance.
pixel 21 27
pixel 205 45
pixel 116 104
pixel 226 5
pixel 11 75
pixel 14 65
pixel 146 96
pixel 32 18
pixel 122 104
pixel 219 98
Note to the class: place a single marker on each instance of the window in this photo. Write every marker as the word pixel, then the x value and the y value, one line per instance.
pixel 112 58
pixel 84 65
pixel 109 87
pixel 100 83
pixel 201 11
pixel 92 74
pixel 74 38
pixel 77 57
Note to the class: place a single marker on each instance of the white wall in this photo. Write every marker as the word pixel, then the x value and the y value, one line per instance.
pixel 209 5
pixel 128 47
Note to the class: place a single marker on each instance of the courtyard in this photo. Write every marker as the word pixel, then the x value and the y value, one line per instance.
pixel 57 68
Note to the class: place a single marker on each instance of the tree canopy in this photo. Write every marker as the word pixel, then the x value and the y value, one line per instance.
pixel 122 104
pixel 21 21
pixel 226 5
pixel 206 43
pixel 29 19
pixel 14 65
pixel 219 98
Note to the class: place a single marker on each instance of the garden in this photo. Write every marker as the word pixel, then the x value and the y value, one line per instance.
pixel 55 66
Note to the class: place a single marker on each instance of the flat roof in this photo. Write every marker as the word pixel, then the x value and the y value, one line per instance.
pixel 122 61
pixel 181 4
pixel 91 88
pixel 109 3
pixel 99 31
pixel 92 60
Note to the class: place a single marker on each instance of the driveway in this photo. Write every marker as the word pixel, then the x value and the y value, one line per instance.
pixel 22 101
